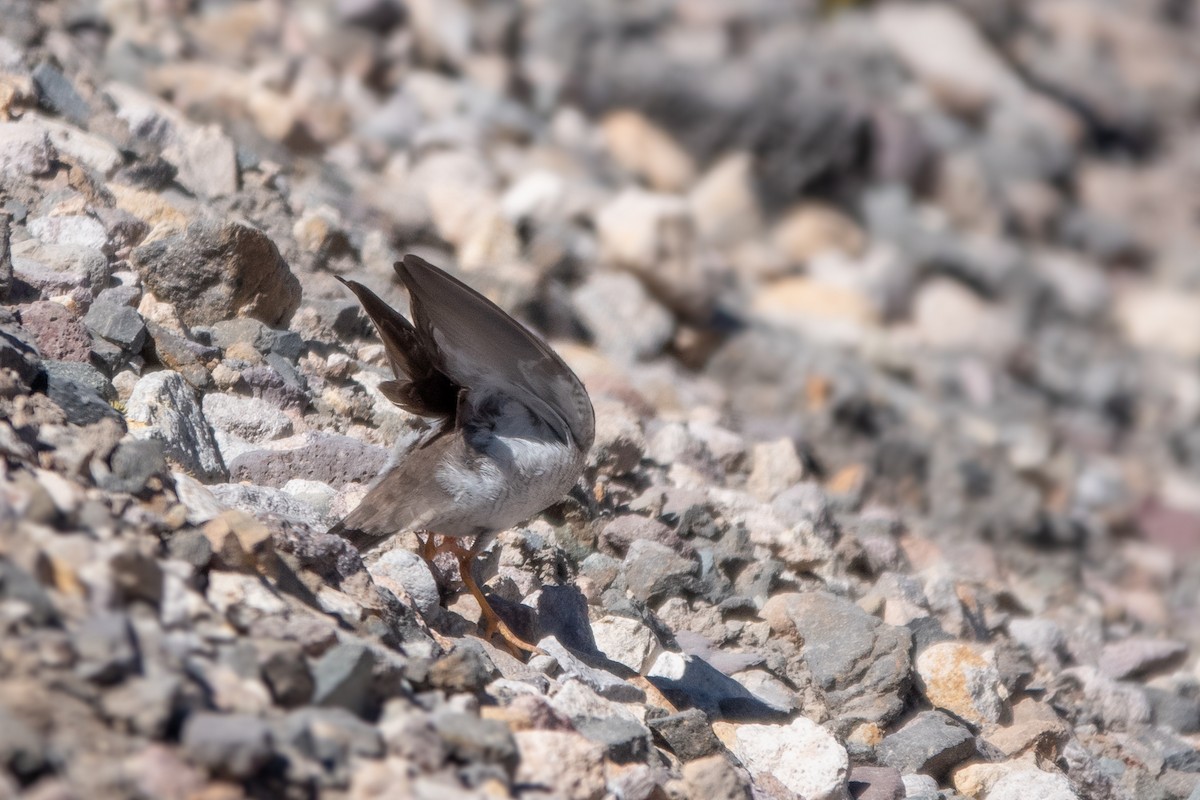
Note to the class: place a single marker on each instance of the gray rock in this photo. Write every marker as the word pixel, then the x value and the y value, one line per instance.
pixel 263 501
pixel 239 268
pixel 331 735
pixel 689 681
pixel 1178 712
pixel 17 351
pixel 713 777
pixel 326 457
pixel 931 743
pixel 133 463
pixel 55 93
pixel 1132 658
pixel 472 740
pixel 105 648
pixel 688 734
pixel 163 407
pixel 6 265
pixel 624 740
pixel 18 585
pixel 81 404
pixel 343 678
pixel 145 704
pixel 603 683
pixel 466 668
pixel 286 673
pixel 55 269
pixel 403 571
pixel 249 418
pixel 190 546
pixel 654 570
pixel 22 750
pixel 117 322
pixel 622 318
pixel 235 746
pixel 863 665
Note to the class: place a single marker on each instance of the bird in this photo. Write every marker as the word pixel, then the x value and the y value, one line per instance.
pixel 513 425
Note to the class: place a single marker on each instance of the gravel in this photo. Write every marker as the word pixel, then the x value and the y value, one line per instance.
pixel 886 310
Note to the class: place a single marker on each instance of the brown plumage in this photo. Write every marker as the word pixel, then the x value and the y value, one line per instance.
pixel 516 421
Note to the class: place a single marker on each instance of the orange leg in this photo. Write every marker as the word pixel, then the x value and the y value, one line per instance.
pixel 492 622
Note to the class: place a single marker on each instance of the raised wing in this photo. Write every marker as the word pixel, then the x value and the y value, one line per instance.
pixel 480 347
pixel 420 387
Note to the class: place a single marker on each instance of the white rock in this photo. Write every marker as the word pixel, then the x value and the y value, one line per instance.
pixel 89 149
pixel 72 229
pixel 626 641
pixel 1024 784
pixel 964 679
pixel 723 202
pixel 250 418
pixel 802 756
pixel 632 226
pixel 25 149
pixel 775 466
pixel 1161 319
pixel 563 761
pixel 941 45
pixel 403 572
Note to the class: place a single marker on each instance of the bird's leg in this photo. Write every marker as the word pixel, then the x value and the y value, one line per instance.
pixel 428 549
pixel 493 622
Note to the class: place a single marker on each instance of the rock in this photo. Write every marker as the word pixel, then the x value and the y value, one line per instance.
pixel 724 204
pixel 687 733
pixel 406 574
pixel 964 680
pixel 118 323
pixel 163 408
pixel 862 665
pixel 652 570
pixel 6 266
pixel 286 673
pixel 80 402
pixel 1132 658
pixel 626 641
pixel 715 778
pixel 623 740
pixel 619 441
pixel 948 316
pixel 79 230
pixel 812 229
pixel 239 267
pixel 603 683
pixel 1150 318
pixel 145 704
pixel 802 756
pixel 931 743
pixel 1012 780
pixel 876 783
pixel 234 746
pixel 56 93
pixel 562 762
pixel 326 457
pixel 470 740
pixel 22 750
pixel 343 678
pixel 132 464
pixel 775 466
pixel 941 45
pixel 205 160
pixel 238 540
pixel 690 681
pixel 826 311
pixel 56 269
pixel 94 152
pixel 106 649
pixel 25 149
pixel 331 735
pixel 57 332
pixel 647 151
pixel 621 317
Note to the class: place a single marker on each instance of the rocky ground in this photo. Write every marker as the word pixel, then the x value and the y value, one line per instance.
pixel 891 318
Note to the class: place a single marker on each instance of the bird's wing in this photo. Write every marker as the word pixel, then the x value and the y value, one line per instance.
pixel 420 387
pixel 407 497
pixel 480 347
